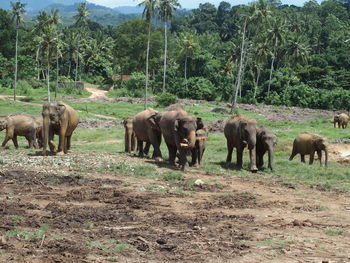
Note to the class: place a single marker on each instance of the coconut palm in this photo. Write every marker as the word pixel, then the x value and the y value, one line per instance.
pixel 148 13
pixel 166 9
pixel 276 36
pixel 81 21
pixel 188 45
pixel 17 13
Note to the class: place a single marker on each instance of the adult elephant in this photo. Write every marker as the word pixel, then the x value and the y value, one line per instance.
pixel 19 125
pixel 307 143
pixel 341 119
pixel 60 119
pixel 146 132
pixel 179 132
pixel 265 142
pixel 240 132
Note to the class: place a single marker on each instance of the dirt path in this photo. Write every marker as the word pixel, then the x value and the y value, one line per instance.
pixel 96 93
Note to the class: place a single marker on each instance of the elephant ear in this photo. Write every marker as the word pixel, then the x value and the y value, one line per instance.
pixel 200 124
pixel 153 121
pixel 61 108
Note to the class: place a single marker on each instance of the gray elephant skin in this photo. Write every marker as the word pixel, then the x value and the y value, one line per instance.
pixel 265 142
pixel 20 125
pixel 179 132
pixel 60 119
pixel 147 132
pixel 307 144
pixel 341 120
pixel 240 132
pixel 198 151
pixel 129 139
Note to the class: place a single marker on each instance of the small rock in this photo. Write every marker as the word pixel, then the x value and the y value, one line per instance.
pixel 3 241
pixel 199 182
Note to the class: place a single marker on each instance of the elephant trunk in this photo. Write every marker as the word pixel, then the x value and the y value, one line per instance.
pixel 45 132
pixel 191 137
pixel 252 154
pixel 326 157
pixel 271 156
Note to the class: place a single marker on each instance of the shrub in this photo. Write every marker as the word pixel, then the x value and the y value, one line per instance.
pixel 166 99
pixel 200 89
pixel 24 88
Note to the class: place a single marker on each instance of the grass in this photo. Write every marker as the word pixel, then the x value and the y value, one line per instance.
pixel 103 140
pixel 275 243
pixel 334 232
pixel 29 235
pixel 108 245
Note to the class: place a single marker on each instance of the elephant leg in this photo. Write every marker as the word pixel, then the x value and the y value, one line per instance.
pixel 195 156
pixel 140 147
pixel 229 151
pixel 155 139
pixel 52 145
pixel 260 159
pixel 9 136
pixel 200 155
pixel 312 156
pixel 252 155
pixel 68 142
pixel 132 142
pixel 294 152
pixel 302 157
pixel 239 157
pixel 319 155
pixel 61 140
pixel 183 158
pixel 172 153
pixel 147 147
pixel 15 142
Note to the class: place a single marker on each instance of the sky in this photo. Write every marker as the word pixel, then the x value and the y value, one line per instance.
pixel 185 3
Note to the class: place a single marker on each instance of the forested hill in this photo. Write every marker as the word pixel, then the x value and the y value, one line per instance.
pixel 263 52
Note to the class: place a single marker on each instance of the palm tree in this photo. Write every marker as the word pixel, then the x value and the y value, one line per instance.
pixel 148 14
pixel 166 9
pixel 81 21
pixel 55 20
pixel 17 13
pixel 188 45
pixel 275 34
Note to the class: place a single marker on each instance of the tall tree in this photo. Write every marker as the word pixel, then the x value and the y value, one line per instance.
pixel 55 20
pixel 81 21
pixel 166 9
pixel 17 13
pixel 276 36
pixel 148 13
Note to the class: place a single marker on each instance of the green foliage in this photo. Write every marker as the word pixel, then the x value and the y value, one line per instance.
pixel 166 99
pixel 200 89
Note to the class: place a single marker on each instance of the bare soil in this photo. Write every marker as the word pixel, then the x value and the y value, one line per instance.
pixel 74 209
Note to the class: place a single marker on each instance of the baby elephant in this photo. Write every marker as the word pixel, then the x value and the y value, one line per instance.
pixel 197 152
pixel 341 119
pixel 129 135
pixel 309 143
pixel 265 142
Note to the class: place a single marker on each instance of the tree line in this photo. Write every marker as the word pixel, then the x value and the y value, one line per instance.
pixel 263 52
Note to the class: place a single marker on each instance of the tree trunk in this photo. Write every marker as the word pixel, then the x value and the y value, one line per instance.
pixel 37 63
pixel 16 66
pixel 239 75
pixel 147 58
pixel 186 72
pixel 271 69
pixel 48 74
pixel 165 53
pixel 76 69
pixel 256 82
pixel 69 67
pixel 57 74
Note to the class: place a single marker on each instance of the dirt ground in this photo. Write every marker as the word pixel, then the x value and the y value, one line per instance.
pixel 64 209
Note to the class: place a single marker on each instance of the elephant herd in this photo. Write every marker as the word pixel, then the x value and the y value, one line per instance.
pixel 57 118
pixel 183 133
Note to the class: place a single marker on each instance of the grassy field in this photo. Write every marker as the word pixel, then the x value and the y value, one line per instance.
pixel 286 172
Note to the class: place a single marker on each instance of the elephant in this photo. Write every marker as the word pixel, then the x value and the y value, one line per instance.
pixel 198 151
pixel 39 131
pixel 19 125
pixel 60 119
pixel 129 135
pixel 148 132
pixel 309 143
pixel 265 142
pixel 240 132
pixel 179 132
pixel 341 119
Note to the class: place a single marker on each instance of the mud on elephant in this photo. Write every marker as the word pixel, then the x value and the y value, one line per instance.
pixel 179 132
pixel 59 119
pixel 147 131
pixel 240 132
pixel 265 142
pixel 19 125
pixel 307 144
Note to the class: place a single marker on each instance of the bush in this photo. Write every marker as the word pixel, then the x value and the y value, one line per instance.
pixel 24 88
pixel 166 99
pixel 200 89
